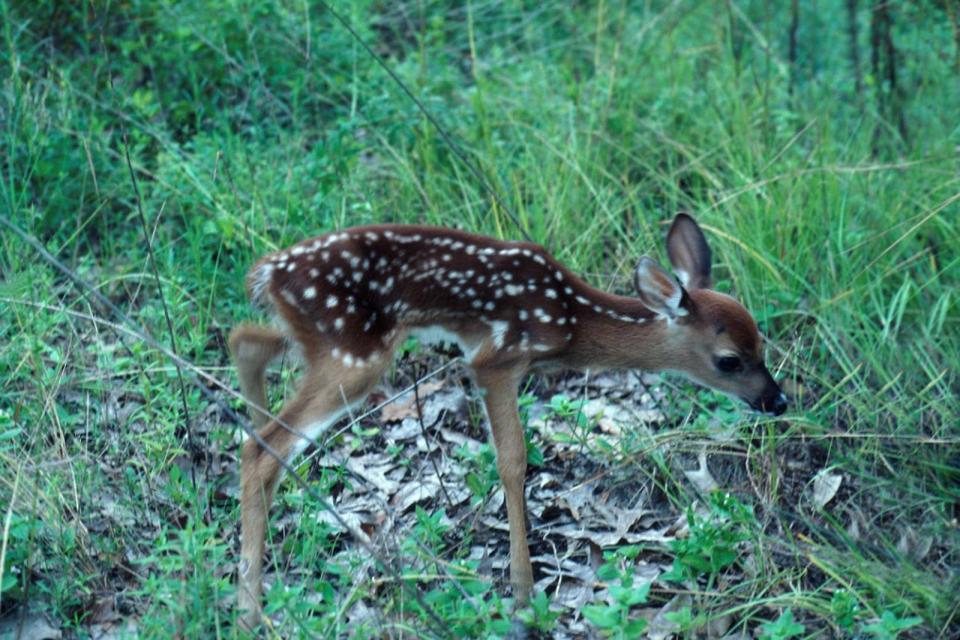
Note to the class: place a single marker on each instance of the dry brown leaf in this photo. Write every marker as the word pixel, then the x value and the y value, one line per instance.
pixel 575 499
pixel 414 492
pixel 374 468
pixel 406 405
pixel 361 523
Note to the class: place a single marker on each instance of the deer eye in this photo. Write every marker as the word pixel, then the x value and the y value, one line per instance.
pixel 729 364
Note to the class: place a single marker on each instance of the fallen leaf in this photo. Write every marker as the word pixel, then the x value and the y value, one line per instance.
pixel 914 546
pixel 574 500
pixel 414 492
pixel 661 627
pixel 28 625
pixel 825 487
pixel 717 627
pixel 701 477
pixel 406 405
pixel 374 469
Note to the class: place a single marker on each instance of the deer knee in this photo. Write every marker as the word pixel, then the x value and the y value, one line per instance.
pixel 259 470
pixel 254 346
pixel 512 466
pixel 249 453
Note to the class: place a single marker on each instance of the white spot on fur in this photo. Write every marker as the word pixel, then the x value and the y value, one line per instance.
pixel 498 332
pixel 309 293
pixel 331 301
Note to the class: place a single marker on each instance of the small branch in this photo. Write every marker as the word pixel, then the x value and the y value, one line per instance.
pixel 423 430
pixel 191 445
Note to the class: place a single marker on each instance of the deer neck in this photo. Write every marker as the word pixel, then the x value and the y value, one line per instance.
pixel 618 332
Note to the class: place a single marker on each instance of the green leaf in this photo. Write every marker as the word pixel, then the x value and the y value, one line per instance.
pixel 634 628
pixel 605 617
pixel 784 627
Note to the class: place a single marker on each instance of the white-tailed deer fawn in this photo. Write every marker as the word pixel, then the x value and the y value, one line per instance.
pixel 347 299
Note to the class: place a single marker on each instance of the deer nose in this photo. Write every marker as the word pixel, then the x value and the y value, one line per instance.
pixel 779 405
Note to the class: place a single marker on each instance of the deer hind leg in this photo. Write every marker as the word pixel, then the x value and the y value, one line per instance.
pixel 252 348
pixel 328 390
pixel 500 399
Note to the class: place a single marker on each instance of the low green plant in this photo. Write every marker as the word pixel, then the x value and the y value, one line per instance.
pixel 712 540
pixel 184 582
pixel 538 615
pixel 782 628
pixel 22 533
pixel 468 605
pixel 844 609
pixel 481 477
pixel 535 456
pixel 430 527
pixel 890 625
pixel 571 411
pixel 613 618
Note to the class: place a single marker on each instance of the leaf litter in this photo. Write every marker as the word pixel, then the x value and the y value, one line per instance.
pixel 584 496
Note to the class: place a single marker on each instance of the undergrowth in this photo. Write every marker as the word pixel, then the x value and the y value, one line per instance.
pixel 828 193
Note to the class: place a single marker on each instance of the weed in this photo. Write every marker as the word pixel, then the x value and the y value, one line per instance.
pixel 890 625
pixel 782 628
pixel 538 615
pixel 613 618
pixel 713 540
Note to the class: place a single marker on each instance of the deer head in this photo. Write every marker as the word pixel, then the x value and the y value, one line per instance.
pixel 713 338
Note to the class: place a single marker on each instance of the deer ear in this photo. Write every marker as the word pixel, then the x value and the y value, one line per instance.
pixel 689 252
pixel 658 290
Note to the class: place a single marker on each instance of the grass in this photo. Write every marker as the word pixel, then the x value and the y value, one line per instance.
pixel 254 124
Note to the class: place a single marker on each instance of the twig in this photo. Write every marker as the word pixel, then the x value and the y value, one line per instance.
pixel 191 445
pixel 423 430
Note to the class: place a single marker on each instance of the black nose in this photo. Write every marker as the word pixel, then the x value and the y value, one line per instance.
pixel 778 406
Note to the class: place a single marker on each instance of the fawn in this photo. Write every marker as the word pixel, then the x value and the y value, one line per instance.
pixel 347 299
